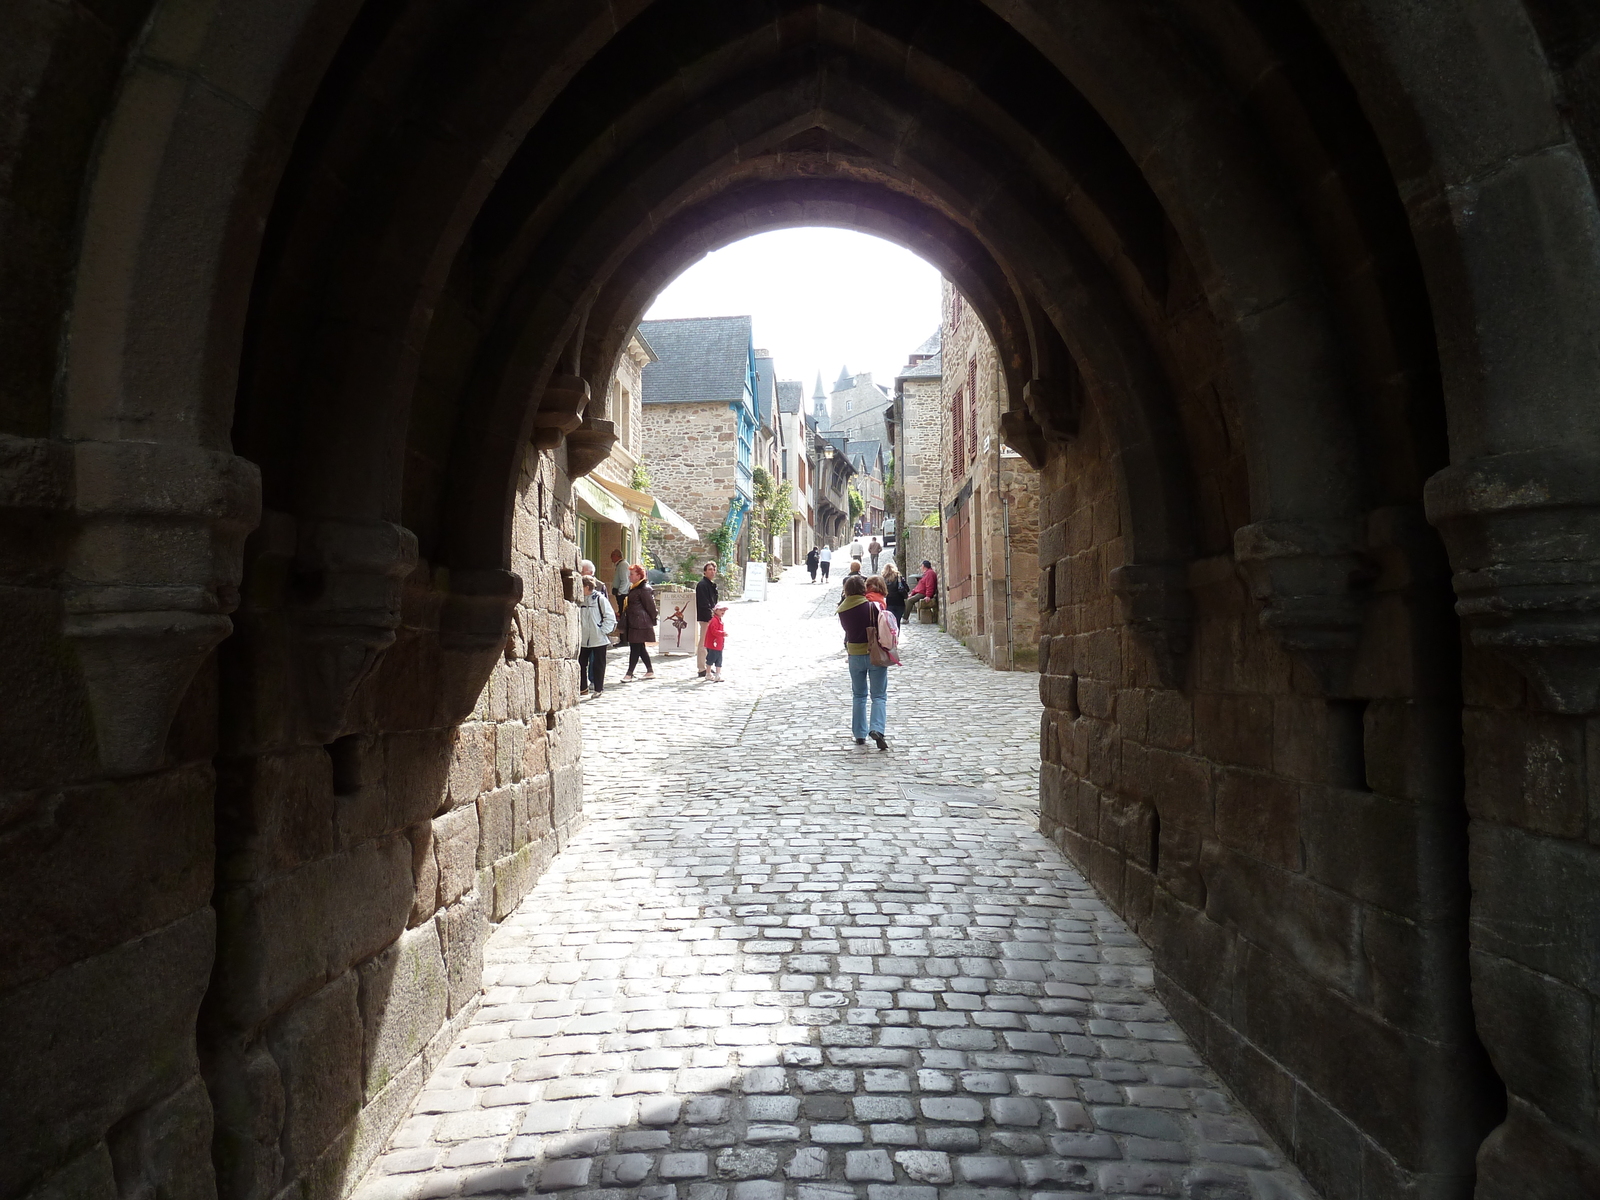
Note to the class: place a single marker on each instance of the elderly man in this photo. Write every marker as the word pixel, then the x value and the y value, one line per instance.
pixel 619 574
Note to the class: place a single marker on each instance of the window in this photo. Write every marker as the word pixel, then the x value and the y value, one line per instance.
pixel 972 408
pixel 958 453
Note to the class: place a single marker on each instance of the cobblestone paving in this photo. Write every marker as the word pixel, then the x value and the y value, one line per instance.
pixel 779 966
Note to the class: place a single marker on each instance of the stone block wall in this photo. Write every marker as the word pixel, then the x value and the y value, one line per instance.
pixel 357 882
pixel 1293 860
pixel 999 494
pixel 920 474
pixel 692 453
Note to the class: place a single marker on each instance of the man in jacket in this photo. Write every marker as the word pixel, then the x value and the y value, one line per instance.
pixel 928 586
pixel 705 603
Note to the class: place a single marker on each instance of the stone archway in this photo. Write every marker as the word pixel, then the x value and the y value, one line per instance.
pixel 1296 312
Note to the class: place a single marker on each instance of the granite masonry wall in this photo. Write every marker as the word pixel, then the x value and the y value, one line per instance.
pixel 357 881
pixel 993 490
pixel 691 451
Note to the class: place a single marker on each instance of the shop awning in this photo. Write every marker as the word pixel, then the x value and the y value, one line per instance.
pixel 650 506
pixel 599 501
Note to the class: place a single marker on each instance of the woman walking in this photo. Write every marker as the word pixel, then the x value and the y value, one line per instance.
pixel 856 615
pixel 898 591
pixel 811 563
pixel 639 622
pixel 595 620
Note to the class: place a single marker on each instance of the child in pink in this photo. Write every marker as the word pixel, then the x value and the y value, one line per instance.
pixel 716 639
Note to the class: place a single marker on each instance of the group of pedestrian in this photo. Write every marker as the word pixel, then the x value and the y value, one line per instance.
pixel 819 558
pixel 629 606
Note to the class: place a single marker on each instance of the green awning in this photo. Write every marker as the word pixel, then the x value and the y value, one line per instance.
pixel 599 501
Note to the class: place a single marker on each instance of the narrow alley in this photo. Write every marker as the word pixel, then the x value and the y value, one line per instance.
pixel 776 964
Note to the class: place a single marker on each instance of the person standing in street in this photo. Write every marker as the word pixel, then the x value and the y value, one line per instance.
pixel 811 563
pixel 596 619
pixel 619 575
pixel 874 549
pixel 824 559
pixel 898 591
pixel 856 615
pixel 705 603
pixel 639 622
pixel 586 571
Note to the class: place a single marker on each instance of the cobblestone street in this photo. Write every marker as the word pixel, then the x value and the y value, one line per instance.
pixel 775 964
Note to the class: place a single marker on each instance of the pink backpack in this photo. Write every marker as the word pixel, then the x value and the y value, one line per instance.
pixel 883 635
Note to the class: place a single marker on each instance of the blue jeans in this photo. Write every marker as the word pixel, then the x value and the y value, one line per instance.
pixel 863 673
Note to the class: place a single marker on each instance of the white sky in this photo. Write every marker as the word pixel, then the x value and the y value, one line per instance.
pixel 819 299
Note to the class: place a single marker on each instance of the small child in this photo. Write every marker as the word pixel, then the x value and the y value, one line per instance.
pixel 716 639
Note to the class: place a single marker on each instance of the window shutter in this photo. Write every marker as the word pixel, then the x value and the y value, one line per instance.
pixel 972 408
pixel 958 456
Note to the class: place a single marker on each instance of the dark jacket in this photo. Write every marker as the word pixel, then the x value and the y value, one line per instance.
pixel 705 599
pixel 639 619
pixel 811 559
pixel 899 592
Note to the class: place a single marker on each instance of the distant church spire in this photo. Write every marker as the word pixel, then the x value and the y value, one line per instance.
pixel 819 406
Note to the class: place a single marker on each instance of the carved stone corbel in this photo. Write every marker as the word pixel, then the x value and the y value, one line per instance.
pixel 151 577
pixel 1154 601
pixel 1056 406
pixel 588 445
pixel 1311 581
pixel 474 628
pixel 560 410
pixel 1523 534
pixel 347 582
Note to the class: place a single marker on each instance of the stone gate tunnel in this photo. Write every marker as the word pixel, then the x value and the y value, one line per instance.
pixel 303 310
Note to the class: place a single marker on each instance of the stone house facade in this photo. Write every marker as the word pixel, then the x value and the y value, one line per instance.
pixel 856 406
pixel 604 521
pixel 798 468
pixel 990 503
pixel 917 435
pixel 699 428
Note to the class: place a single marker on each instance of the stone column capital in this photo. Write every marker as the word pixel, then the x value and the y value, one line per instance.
pixel 1523 534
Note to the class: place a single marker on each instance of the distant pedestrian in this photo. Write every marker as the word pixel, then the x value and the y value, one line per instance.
pixel 716 639
pixel 596 619
pixel 824 560
pixel 705 603
pixel 639 622
pixel 898 592
pixel 619 574
pixel 811 563
pixel 856 615
pixel 873 550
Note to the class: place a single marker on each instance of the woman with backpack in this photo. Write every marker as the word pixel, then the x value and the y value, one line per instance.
pixel 595 620
pixel 863 621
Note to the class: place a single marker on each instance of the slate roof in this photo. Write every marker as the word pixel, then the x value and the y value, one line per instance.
pixel 933 345
pixel 866 453
pixel 698 359
pixel 928 368
pixel 791 395
pixel 845 381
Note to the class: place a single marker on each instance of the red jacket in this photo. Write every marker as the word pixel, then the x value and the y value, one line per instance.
pixel 716 635
pixel 927 586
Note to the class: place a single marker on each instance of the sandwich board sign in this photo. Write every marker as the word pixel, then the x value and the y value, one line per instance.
pixel 755 581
